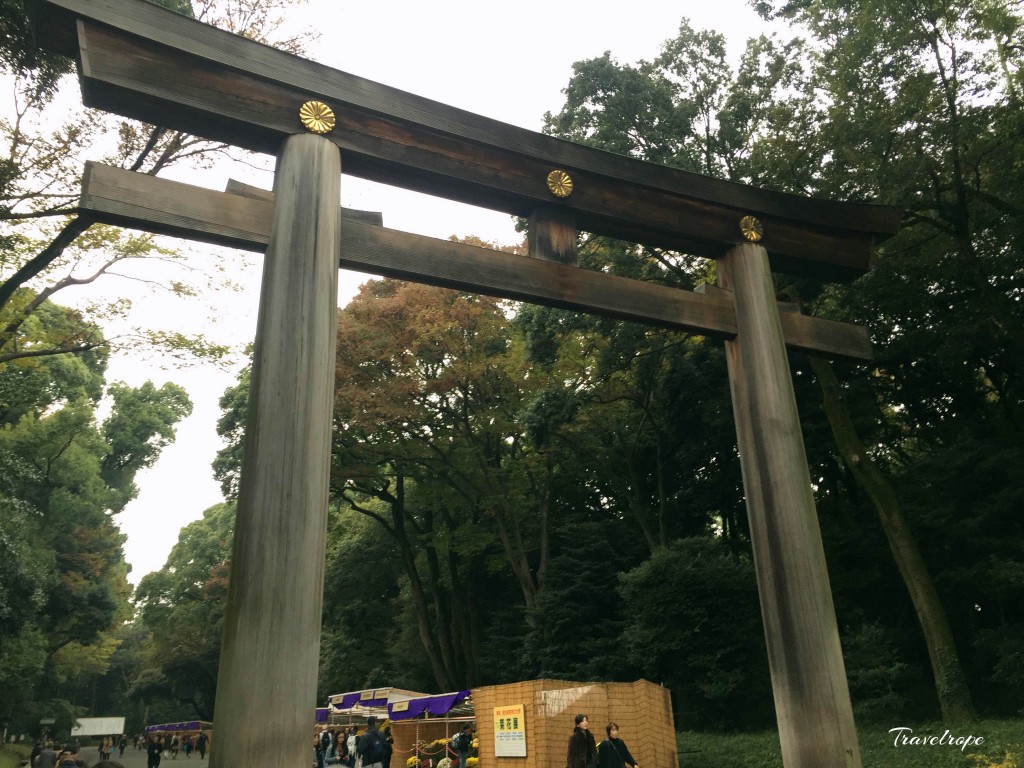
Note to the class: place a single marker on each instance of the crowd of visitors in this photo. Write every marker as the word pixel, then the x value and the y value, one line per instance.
pixel 49 754
pixel 351 748
pixel 159 745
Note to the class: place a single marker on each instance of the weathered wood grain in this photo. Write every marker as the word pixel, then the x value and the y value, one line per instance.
pixel 235 187
pixel 158 205
pixel 271 646
pixel 157 66
pixel 812 700
pixel 812 334
pixel 551 236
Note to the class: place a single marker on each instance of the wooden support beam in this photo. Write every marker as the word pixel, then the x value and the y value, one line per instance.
pixel 348 215
pixel 116 196
pixel 151 64
pixel 812 699
pixel 811 334
pixel 551 236
pixel 271 646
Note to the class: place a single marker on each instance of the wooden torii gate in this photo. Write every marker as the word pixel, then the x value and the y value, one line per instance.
pixel 144 62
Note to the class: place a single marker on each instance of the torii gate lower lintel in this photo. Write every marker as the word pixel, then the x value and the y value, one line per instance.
pixel 148 63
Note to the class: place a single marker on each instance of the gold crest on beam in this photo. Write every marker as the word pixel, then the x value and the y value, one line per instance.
pixel 316 116
pixel 560 183
pixel 752 229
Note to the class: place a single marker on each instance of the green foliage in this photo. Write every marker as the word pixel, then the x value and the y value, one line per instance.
pixel 140 427
pixel 693 623
pixel 181 607
pixel 45 247
pixel 429 383
pixel 14 755
pixel 873 670
pixel 19 54
pixel 1002 747
pixel 227 466
pixel 63 586
pixel 356 648
pixel 576 623
pixel 715 750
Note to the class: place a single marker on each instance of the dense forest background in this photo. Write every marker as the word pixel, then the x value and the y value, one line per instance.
pixel 522 492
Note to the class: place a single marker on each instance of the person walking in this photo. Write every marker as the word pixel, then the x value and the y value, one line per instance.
pixel 462 743
pixel 389 747
pixel 582 751
pixel 612 752
pixel 370 746
pixel 201 741
pixel 153 750
pixel 351 739
pixel 47 757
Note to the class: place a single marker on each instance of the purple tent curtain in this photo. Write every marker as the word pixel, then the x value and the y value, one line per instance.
pixel 432 705
pixel 321 714
pixel 349 700
pixel 192 725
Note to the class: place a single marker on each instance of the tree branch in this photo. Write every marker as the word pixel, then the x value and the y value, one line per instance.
pixel 44 258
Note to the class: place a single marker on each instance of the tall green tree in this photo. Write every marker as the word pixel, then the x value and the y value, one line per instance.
pixel 429 383
pixel 694 623
pixel 181 606
pixel 69 475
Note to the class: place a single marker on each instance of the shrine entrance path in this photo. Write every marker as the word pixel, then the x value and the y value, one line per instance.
pixel 136 758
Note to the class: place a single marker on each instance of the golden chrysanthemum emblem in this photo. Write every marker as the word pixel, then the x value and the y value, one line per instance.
pixel 752 229
pixel 316 117
pixel 560 183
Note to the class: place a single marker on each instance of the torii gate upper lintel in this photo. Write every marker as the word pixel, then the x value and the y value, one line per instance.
pixel 224 87
pixel 145 62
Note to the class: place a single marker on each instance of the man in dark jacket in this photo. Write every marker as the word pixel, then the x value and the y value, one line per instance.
pixel 370 745
pixel 462 744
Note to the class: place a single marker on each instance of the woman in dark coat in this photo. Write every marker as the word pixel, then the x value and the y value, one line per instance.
pixel 582 748
pixel 612 752
pixel 153 750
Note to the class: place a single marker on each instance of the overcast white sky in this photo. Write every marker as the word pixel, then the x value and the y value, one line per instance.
pixel 507 61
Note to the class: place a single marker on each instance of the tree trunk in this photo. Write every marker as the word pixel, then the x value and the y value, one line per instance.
pixel 442 616
pixel 417 590
pixel 950 681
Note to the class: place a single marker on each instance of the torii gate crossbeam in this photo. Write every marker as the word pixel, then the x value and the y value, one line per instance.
pixel 150 64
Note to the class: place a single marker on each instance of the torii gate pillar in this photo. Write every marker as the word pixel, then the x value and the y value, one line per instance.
pixel 812 700
pixel 271 647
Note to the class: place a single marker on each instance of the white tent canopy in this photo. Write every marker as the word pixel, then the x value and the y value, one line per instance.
pixel 98 726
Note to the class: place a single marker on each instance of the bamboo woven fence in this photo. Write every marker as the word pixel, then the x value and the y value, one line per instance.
pixel 642 709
